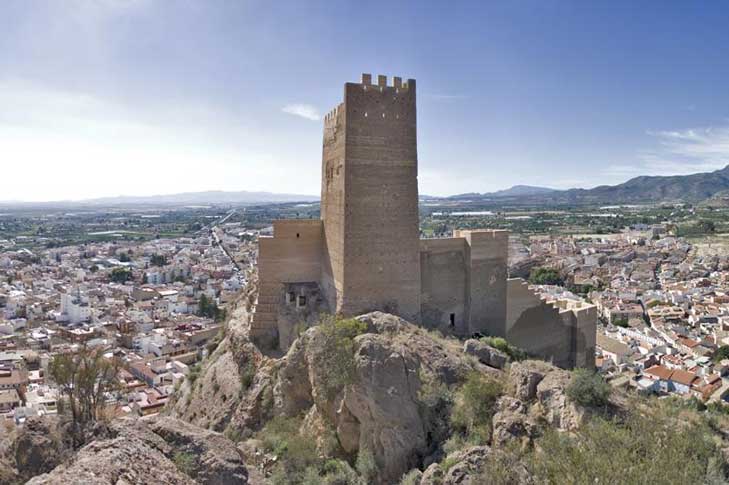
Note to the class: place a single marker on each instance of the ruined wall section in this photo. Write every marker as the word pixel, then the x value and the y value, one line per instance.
pixel 488 252
pixel 559 331
pixel 333 205
pixel 444 266
pixel 381 234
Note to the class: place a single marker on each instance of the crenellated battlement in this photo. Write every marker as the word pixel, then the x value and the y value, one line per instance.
pixel 382 82
pixel 333 113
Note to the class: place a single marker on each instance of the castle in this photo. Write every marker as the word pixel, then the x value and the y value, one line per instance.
pixel 365 253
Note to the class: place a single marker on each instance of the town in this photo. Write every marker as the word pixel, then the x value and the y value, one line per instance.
pixel 158 303
pixel 157 306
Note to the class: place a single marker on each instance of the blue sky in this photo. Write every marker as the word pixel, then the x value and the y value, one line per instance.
pixel 109 97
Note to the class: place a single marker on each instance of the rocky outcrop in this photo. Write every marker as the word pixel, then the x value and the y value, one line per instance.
pixel 525 377
pixel 468 466
pixel 555 407
pixel 140 451
pixel 232 389
pixel 36 447
pixel 486 354
pixel 217 458
pixel 39 447
pixel 511 424
pixel 379 410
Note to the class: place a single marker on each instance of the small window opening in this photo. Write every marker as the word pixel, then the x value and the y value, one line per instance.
pixel 298 235
pixel 302 301
pixel 453 319
pixel 291 297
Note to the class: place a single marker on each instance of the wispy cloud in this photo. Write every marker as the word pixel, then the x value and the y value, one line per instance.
pixel 304 110
pixel 679 152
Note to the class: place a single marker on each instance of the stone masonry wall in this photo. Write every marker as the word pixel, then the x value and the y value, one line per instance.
pixel 486 304
pixel 566 336
pixel 443 276
pixel 292 255
pixel 333 205
pixel 381 263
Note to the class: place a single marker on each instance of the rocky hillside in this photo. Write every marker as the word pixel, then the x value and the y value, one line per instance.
pixel 379 400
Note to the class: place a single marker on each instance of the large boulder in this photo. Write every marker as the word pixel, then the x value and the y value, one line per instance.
pixel 467 467
pixel 525 377
pixel 556 408
pixel 486 354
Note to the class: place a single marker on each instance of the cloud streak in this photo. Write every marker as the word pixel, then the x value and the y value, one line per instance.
pixel 306 111
pixel 679 152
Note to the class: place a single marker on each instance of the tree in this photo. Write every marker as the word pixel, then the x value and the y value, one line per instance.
pixel 545 276
pixel 121 275
pixel 706 226
pixel 721 353
pixel 158 260
pixel 210 309
pixel 124 258
pixel 84 378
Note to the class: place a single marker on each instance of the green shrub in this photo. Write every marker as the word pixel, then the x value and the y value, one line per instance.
pixel 295 452
pixel 185 462
pixel 411 478
pixel 501 344
pixel 193 373
pixel 335 354
pixel 247 372
pixel 474 407
pixel 366 465
pixel 233 434
pixel 588 389
pixel 333 472
pixel 643 450
pixel 435 401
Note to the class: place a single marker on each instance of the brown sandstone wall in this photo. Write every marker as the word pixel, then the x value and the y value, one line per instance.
pixel 443 276
pixel 381 260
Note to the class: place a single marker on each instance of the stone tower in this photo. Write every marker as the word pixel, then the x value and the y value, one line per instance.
pixel 369 200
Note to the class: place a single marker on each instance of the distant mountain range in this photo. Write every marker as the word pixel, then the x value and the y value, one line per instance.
pixel 515 191
pixel 708 188
pixel 693 188
pixel 182 199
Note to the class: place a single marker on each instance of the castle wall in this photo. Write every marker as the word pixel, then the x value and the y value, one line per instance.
pixel 550 330
pixel 381 269
pixel 292 255
pixel 443 276
pixel 333 205
pixel 486 304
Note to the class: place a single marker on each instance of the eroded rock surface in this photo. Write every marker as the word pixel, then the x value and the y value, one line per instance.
pixel 141 451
